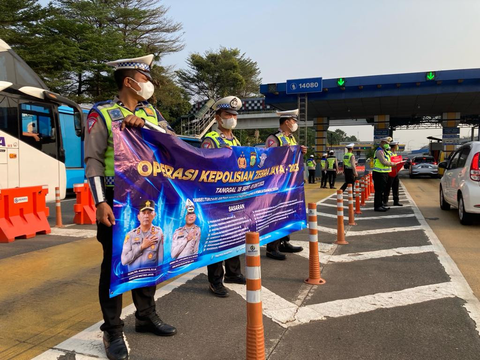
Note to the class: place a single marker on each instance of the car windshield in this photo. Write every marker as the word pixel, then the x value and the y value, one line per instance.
pixel 423 160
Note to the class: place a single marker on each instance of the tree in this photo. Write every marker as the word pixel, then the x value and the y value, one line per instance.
pixel 338 136
pixel 219 74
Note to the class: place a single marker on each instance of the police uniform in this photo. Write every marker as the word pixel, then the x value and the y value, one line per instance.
pixel 186 239
pixel 311 164
pixel 381 167
pixel 280 138
pixel 132 254
pixel 323 164
pixel 349 167
pixel 332 168
pixel 99 169
pixel 216 140
pixel 392 182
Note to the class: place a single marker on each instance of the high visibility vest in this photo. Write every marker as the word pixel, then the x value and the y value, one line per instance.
pixel 378 166
pixel 285 140
pixel 221 141
pixel 109 109
pixel 347 164
pixel 323 162
pixel 311 164
pixel 331 162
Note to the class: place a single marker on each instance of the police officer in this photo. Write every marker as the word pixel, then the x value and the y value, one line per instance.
pixel 311 165
pixel 143 246
pixel 393 181
pixel 186 239
pixel 349 168
pixel 226 117
pixel 332 168
pixel 381 167
pixel 133 79
pixel 284 137
pixel 323 164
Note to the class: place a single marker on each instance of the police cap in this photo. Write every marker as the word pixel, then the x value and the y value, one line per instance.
pixel 147 205
pixel 387 139
pixel 230 104
pixel 350 146
pixel 141 64
pixel 288 114
pixel 394 143
pixel 190 206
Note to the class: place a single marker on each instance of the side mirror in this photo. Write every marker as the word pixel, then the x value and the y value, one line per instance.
pixel 443 165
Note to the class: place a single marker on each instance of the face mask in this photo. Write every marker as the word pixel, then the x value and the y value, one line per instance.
pixel 229 124
pixel 294 127
pixel 386 146
pixel 146 89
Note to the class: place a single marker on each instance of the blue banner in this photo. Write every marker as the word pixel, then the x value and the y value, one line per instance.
pixel 178 208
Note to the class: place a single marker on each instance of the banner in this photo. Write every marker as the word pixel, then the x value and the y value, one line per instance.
pixel 201 202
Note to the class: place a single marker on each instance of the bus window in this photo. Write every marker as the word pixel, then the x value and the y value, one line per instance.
pixel 38 128
pixel 8 110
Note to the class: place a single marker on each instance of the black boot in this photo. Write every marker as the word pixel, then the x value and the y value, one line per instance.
pixel 115 347
pixel 276 255
pixel 285 246
pixel 154 325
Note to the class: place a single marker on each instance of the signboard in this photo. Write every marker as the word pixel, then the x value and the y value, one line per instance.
pixel 380 133
pixel 454 141
pixel 450 136
pixel 451 130
pixel 304 86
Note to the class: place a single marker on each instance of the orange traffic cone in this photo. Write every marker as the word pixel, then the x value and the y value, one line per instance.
pixel 340 228
pixel 314 277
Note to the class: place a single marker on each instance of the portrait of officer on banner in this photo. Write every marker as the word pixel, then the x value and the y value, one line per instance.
pixel 143 246
pixel 186 239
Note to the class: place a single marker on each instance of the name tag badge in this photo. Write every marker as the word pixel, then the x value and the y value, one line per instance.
pixel 115 114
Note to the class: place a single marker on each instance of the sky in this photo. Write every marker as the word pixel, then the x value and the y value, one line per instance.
pixel 335 38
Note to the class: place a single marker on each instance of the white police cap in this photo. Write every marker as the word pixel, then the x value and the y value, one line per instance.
pixel 230 104
pixel 288 114
pixel 393 143
pixel 142 64
pixel 350 146
pixel 312 156
pixel 387 139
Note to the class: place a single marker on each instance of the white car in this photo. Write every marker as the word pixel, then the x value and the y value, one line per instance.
pixel 460 184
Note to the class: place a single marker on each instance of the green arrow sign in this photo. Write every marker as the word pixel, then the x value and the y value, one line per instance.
pixel 341 82
pixel 430 75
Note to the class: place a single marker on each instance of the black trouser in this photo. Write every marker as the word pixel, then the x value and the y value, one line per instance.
pixel 215 271
pixel 324 178
pixel 311 176
pixel 112 307
pixel 392 183
pixel 275 245
pixel 349 179
pixel 379 184
pixel 332 175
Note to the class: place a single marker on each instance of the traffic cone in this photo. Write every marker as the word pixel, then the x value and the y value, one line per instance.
pixel 255 331
pixel 362 183
pixel 314 277
pixel 58 208
pixel 351 216
pixel 357 197
pixel 372 188
pixel 340 228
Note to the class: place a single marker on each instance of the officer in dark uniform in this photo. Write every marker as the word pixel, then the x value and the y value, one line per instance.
pixel 332 168
pixel 323 164
pixel 381 167
pixel 349 168
pixel 131 107
pixel 226 116
pixel 284 137
pixel 393 181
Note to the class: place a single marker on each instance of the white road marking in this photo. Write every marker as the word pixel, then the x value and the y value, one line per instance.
pixel 370 232
pixel 80 233
pixel 319 213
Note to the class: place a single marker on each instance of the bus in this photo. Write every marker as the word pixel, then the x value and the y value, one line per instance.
pixel 37 128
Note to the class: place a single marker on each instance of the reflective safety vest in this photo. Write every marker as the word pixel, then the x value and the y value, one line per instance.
pixel 111 111
pixel 221 141
pixel 346 160
pixel 310 164
pixel 378 166
pixel 331 163
pixel 285 140
pixel 323 163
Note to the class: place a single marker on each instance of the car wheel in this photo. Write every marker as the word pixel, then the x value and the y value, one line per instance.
pixel 443 204
pixel 464 217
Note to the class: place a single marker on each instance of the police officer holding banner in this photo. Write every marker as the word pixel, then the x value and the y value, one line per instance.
pixel 393 181
pixel 133 79
pixel 381 167
pixel 349 168
pixel 284 137
pixel 226 116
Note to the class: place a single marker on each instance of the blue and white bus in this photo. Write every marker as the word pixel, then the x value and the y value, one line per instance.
pixel 35 135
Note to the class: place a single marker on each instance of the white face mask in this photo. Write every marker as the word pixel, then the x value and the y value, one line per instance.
pixel 230 123
pixel 294 127
pixel 146 89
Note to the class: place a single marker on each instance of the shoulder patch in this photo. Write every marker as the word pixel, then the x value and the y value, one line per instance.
pixel 92 120
pixel 271 142
pixel 148 111
pixel 206 145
